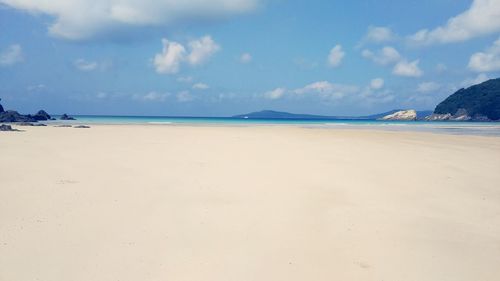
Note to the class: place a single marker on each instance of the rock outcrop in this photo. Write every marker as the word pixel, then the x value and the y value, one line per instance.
pixel 460 115
pixel 6 128
pixel 438 117
pixel 403 115
pixel 42 116
pixel 11 116
pixel 28 124
pixel 66 117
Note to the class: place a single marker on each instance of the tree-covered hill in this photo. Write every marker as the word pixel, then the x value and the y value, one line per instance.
pixel 479 100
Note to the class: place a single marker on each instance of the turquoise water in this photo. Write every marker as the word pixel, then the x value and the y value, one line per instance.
pixel 473 128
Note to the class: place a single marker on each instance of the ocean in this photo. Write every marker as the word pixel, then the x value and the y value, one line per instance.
pixel 456 128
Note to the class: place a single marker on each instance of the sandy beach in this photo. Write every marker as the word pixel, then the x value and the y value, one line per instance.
pixel 183 203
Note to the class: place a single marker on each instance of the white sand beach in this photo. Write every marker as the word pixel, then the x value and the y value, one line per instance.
pixel 179 203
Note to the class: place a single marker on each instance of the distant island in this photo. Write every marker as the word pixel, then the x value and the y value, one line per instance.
pixel 271 114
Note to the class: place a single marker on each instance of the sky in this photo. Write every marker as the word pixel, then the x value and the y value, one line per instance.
pixel 228 57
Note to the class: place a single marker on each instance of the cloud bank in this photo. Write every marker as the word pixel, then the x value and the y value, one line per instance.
pixel 486 61
pixel 390 56
pixel 85 19
pixel 482 18
pixel 327 90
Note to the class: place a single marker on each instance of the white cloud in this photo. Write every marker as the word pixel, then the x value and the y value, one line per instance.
pixel 174 54
pixel 200 86
pixel 36 88
pixel 11 55
pixel 336 55
pixel 488 60
pixel 84 65
pixel 480 78
pixel 275 94
pixel 184 96
pixel 152 97
pixel 441 67
pixel 377 83
pixel 245 58
pixel 407 69
pixel 201 50
pixel 169 60
pixel 185 79
pixel 427 87
pixel 327 90
pixel 84 19
pixel 379 34
pixel 482 18
pixel 386 55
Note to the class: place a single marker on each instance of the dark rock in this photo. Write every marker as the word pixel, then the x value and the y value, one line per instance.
pixel 81 127
pixel 63 126
pixel 11 116
pixel 6 128
pixel 66 117
pixel 42 116
pixel 31 124
pixel 1 108
pixel 480 118
pixel 53 119
pixel 26 124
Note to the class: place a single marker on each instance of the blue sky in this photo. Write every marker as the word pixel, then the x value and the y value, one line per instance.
pixel 225 57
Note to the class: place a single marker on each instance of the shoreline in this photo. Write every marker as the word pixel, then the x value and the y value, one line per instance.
pixel 445 128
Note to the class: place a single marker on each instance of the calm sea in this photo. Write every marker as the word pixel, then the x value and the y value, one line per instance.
pixel 459 128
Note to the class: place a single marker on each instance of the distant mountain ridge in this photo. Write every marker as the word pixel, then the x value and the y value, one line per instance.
pixel 271 114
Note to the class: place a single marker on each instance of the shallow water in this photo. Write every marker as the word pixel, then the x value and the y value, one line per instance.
pixel 457 128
